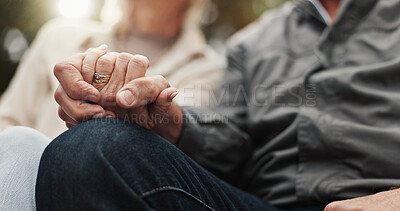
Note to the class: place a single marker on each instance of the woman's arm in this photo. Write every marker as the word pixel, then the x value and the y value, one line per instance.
pixel 20 103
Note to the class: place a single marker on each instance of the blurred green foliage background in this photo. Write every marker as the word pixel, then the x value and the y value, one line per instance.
pixel 24 18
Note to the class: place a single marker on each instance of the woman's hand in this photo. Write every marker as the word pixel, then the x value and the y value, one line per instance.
pixel 74 91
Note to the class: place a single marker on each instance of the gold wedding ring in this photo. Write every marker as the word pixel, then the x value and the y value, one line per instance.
pixel 101 79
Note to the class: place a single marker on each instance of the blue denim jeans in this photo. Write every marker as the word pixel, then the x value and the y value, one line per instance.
pixel 109 164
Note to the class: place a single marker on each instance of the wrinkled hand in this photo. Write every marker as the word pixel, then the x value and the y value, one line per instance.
pixel 129 94
pixel 74 92
pixel 388 201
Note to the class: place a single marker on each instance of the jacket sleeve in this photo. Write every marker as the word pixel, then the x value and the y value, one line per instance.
pixel 216 138
pixel 20 103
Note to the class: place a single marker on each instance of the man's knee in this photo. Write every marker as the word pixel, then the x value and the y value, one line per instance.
pixel 94 156
pixel 91 144
pixel 105 134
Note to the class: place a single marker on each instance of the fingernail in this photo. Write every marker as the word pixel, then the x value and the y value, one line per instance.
pixel 172 96
pixel 109 117
pixel 126 97
pixel 103 47
pixel 98 116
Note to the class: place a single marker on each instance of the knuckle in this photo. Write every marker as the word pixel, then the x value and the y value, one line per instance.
pixel 105 62
pixel 161 80
pixel 58 68
pixel 87 67
pixel 332 206
pixel 63 116
pixel 81 91
pixel 146 83
pixel 61 113
pixel 57 98
pixel 58 95
pixel 149 86
pixel 153 95
pixel 77 56
pixel 91 51
pixel 62 67
pixel 124 57
pixel 140 61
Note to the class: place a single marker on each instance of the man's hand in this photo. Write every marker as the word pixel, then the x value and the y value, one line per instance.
pixel 148 101
pixel 388 201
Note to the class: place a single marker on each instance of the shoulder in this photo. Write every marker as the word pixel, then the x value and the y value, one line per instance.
pixel 270 25
pixel 211 58
pixel 61 38
pixel 68 27
pixel 192 50
pixel 60 34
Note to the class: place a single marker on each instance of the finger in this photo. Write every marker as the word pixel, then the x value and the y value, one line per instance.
pixel 167 95
pixel 64 116
pixel 69 125
pixel 336 206
pixel 117 80
pixel 141 91
pixel 89 63
pixel 78 110
pixel 137 68
pixel 163 104
pixel 68 73
pixel 105 66
pixel 110 114
pixel 71 122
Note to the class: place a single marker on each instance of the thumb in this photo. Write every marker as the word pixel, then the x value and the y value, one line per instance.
pixel 144 91
pixel 166 97
pixel 163 103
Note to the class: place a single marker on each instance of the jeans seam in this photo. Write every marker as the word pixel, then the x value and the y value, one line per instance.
pixel 166 188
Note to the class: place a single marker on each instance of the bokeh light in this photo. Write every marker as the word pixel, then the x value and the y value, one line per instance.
pixel 75 8
pixel 111 12
pixel 15 44
pixel 21 19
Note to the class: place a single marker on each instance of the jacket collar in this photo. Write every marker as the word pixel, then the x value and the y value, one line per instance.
pixel 314 9
pixel 350 15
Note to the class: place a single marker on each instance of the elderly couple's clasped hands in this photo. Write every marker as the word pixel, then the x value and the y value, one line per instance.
pixel 121 90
